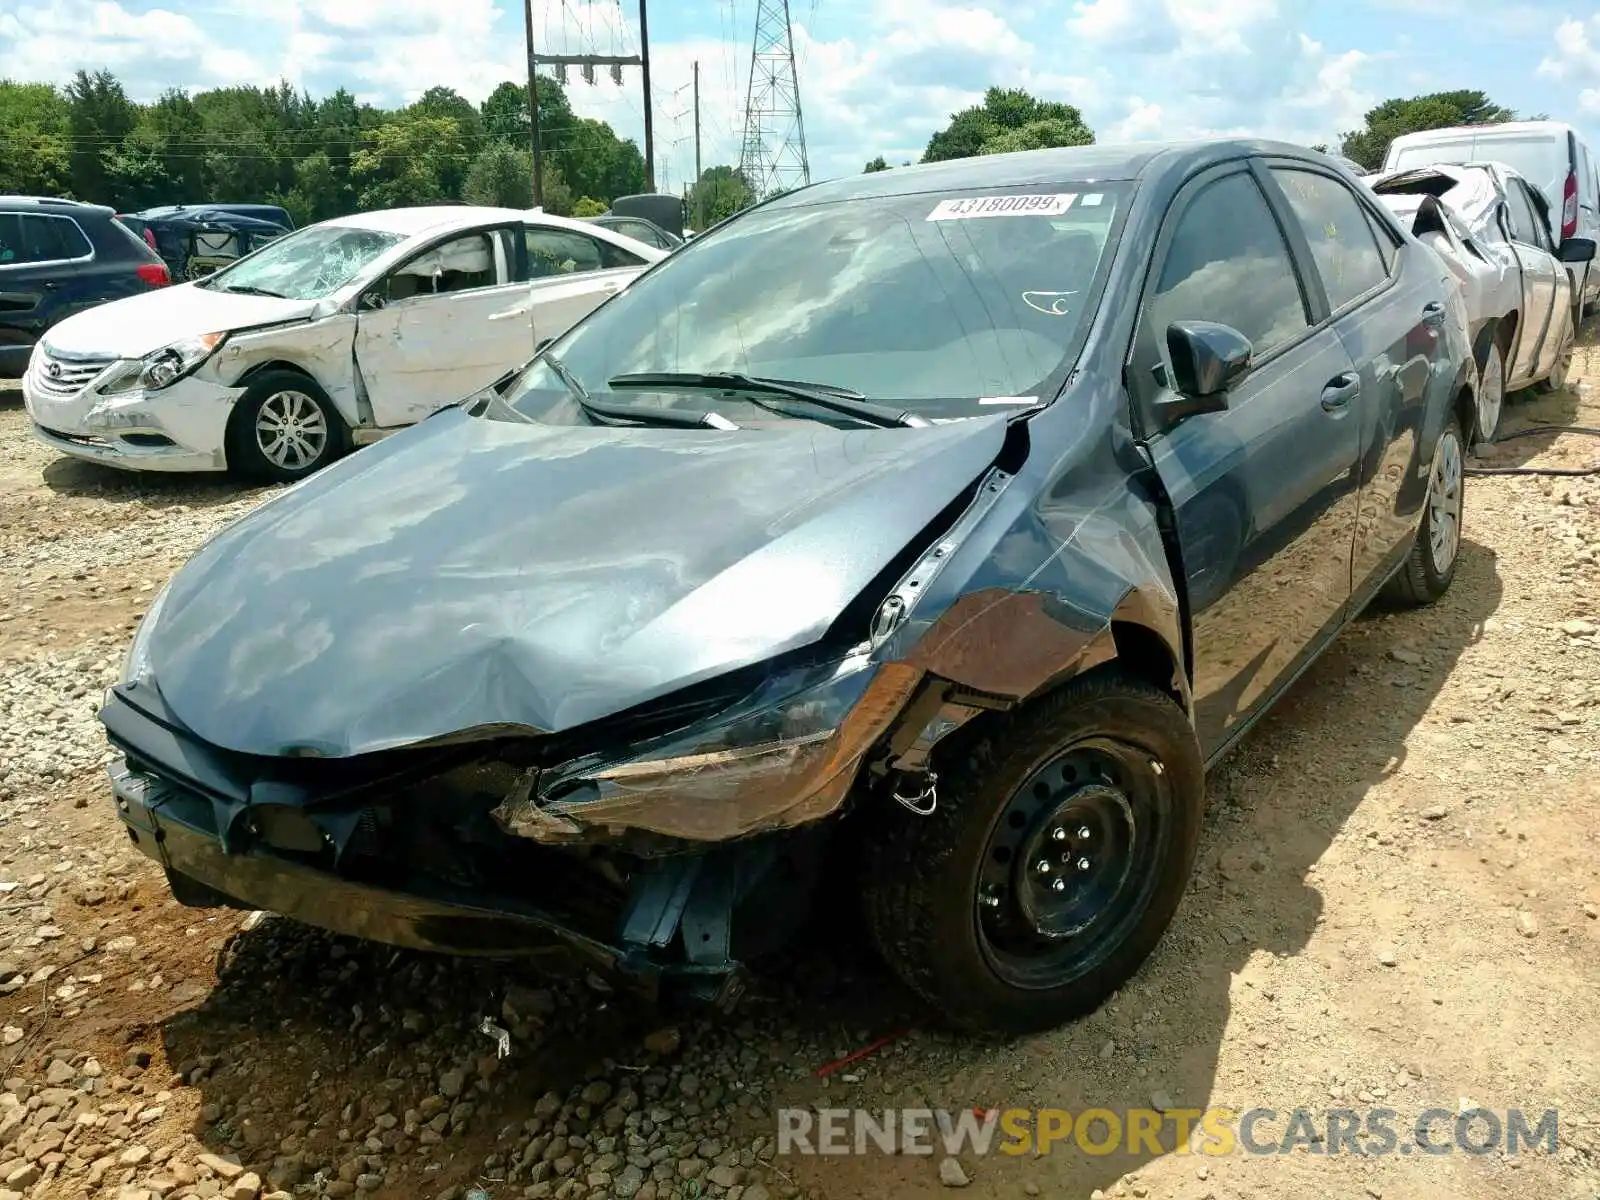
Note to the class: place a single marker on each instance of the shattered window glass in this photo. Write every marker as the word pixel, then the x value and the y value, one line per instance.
pixel 308 264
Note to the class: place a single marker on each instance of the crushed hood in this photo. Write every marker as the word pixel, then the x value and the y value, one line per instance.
pixel 142 324
pixel 472 572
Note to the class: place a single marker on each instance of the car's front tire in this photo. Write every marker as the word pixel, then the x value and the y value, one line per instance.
pixel 1428 569
pixel 283 428
pixel 1062 841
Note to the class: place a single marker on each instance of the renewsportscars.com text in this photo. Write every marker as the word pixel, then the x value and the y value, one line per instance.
pixel 1214 1131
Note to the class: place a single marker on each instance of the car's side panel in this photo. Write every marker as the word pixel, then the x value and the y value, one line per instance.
pixel 1263 495
pixel 322 349
pixel 426 352
pixel 1397 344
pixel 1392 335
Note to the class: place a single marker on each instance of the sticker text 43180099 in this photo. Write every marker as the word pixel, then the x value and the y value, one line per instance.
pixel 965 208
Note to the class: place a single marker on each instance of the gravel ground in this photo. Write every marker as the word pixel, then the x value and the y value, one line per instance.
pixel 1396 905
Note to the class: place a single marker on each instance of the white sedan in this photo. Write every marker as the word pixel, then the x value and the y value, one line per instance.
pixel 323 340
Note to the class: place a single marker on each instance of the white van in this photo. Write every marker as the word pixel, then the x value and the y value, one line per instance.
pixel 1548 154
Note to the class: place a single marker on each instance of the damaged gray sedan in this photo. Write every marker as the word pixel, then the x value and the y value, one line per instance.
pixel 927 533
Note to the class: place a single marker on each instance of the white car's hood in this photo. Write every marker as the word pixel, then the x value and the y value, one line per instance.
pixel 138 325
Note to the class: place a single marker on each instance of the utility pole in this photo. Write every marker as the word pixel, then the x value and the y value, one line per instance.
pixel 533 110
pixel 649 129
pixel 589 62
pixel 699 221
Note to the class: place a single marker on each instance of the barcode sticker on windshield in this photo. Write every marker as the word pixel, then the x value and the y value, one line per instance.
pixel 1002 206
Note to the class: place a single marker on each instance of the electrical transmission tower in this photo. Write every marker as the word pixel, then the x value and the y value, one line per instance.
pixel 773 158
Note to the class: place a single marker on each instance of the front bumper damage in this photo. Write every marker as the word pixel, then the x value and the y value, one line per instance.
pixel 182 427
pixel 461 849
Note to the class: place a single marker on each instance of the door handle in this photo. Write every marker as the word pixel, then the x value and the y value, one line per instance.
pixel 50 285
pixel 1433 314
pixel 1341 389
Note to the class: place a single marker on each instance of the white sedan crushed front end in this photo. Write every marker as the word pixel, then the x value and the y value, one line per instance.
pixel 138 414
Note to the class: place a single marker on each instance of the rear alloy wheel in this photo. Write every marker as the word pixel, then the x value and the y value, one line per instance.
pixel 1427 571
pixel 1491 394
pixel 1062 841
pixel 283 428
pixel 1557 379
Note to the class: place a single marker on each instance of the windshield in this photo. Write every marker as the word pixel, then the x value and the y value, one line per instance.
pixel 305 265
pixel 937 302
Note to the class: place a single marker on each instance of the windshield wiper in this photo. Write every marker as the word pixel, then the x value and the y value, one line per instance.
pixel 245 289
pixel 610 414
pixel 839 400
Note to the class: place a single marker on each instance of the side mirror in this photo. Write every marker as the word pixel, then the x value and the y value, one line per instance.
pixel 1207 359
pixel 1577 250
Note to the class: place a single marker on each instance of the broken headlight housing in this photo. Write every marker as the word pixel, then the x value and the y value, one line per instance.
pixel 164 367
pixel 786 754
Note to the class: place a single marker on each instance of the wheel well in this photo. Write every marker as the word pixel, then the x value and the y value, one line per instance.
pixel 1505 333
pixel 1467 412
pixel 275 364
pixel 1140 654
pixel 1143 654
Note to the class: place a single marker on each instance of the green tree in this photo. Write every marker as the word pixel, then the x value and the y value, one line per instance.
pixel 406 161
pixel 718 194
pixel 876 164
pixel 320 190
pixel 595 162
pixel 505 113
pixel 1008 119
pixel 587 206
pixel 501 175
pixel 1437 110
pixel 100 116
pixel 34 155
pixel 1039 135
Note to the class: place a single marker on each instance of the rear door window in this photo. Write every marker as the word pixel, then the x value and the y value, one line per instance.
pixel 1342 242
pixel 1525 222
pixel 27 238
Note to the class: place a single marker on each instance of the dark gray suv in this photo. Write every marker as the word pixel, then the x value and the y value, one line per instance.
pixel 59 257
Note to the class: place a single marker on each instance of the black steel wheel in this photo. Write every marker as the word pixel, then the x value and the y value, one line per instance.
pixel 1063 839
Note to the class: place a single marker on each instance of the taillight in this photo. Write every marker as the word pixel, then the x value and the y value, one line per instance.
pixel 155 274
pixel 149 238
pixel 1569 206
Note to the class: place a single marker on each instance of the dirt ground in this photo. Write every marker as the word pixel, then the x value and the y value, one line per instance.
pixel 1396 906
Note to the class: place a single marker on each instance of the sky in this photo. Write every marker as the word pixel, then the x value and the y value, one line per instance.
pixel 876 76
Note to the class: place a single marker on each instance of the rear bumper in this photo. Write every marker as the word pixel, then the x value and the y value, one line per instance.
pixel 177 828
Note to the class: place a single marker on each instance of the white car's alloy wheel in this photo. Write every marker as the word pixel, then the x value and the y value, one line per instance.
pixel 1491 395
pixel 291 431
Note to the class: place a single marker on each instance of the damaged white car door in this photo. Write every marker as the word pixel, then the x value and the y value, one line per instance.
pixel 424 334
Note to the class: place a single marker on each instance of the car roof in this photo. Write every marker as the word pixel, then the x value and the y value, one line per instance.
pixel 1451 133
pixel 54 205
pixel 432 220
pixel 1099 163
pixel 425 219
